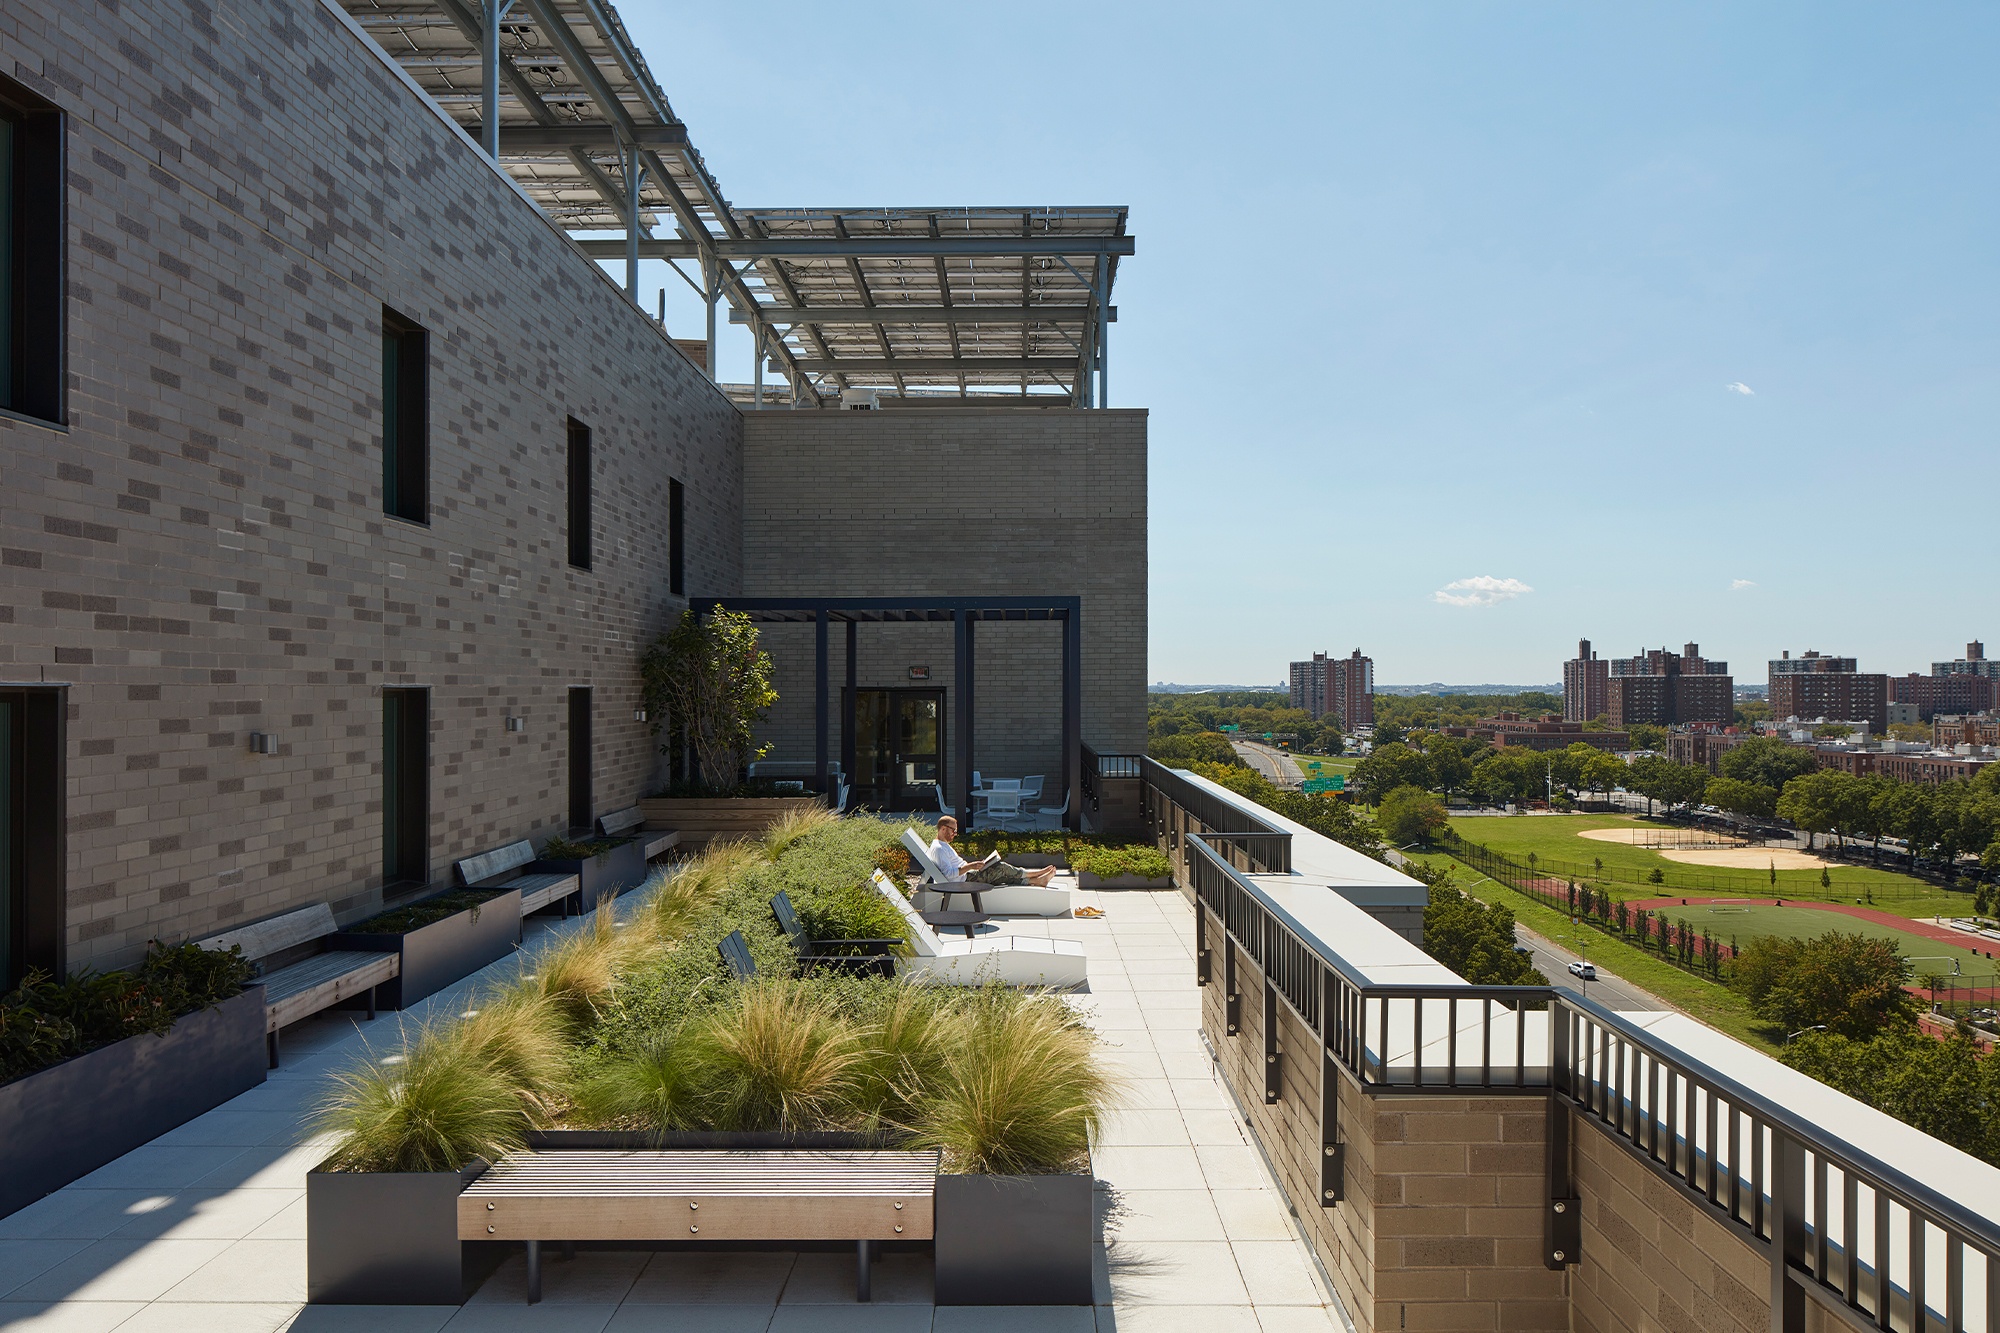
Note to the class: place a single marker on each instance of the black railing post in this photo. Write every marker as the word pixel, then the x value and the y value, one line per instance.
pixel 1562 1225
pixel 1788 1236
pixel 1272 1081
pixel 1200 942
pixel 1232 1002
pixel 1331 1176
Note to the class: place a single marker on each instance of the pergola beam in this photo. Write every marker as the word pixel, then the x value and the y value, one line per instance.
pixel 540 140
pixel 918 314
pixel 878 247
pixel 935 365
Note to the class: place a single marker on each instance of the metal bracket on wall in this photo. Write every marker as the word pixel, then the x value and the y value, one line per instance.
pixel 1200 945
pixel 1562 1223
pixel 1332 1153
pixel 1272 1067
pixel 1232 1008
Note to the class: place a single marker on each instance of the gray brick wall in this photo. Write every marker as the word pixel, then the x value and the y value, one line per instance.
pixel 958 502
pixel 202 553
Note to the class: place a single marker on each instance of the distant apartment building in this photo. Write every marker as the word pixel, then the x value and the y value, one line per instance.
pixel 1547 732
pixel 1952 693
pixel 1341 686
pixel 1926 768
pixel 1703 748
pixel 1586 685
pixel 1662 688
pixel 1814 685
pixel 1974 663
pixel 1949 730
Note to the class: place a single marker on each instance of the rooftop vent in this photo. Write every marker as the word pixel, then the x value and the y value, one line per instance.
pixel 859 400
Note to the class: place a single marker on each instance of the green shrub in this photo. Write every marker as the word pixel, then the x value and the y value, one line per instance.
pixel 1138 859
pixel 560 848
pixel 434 1106
pixel 424 912
pixel 44 1021
pixel 1020 1091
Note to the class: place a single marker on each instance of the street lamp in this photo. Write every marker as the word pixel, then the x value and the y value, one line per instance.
pixel 1817 1027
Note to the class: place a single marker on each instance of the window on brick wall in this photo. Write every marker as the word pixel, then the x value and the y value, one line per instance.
pixel 581 813
pixel 32 233
pixel 579 494
pixel 33 856
pixel 406 786
pixel 676 539
pixel 406 418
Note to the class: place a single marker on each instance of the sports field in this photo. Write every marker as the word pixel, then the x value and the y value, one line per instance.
pixel 1599 848
pixel 1744 922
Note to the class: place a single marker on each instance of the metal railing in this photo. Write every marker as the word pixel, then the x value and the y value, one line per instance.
pixel 1843 1228
pixel 1177 809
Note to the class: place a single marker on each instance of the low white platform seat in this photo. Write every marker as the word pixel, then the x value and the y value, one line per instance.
pixel 629 823
pixel 502 869
pixel 300 979
pixel 1012 960
pixel 1007 900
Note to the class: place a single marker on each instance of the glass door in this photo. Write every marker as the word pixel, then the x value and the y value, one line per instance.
pixel 919 736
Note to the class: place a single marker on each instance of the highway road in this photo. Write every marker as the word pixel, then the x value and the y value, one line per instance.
pixel 1608 990
pixel 1273 763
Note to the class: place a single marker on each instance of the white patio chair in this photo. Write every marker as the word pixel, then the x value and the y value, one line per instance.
pixel 1031 789
pixel 1002 807
pixel 997 900
pixel 1012 960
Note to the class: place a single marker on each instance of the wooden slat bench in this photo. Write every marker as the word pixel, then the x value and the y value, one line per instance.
pixel 501 869
pixel 631 823
pixel 784 1195
pixel 297 989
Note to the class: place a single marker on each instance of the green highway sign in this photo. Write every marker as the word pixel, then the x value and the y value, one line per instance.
pixel 1229 726
pixel 1314 786
pixel 1314 765
pixel 1339 781
pixel 1267 735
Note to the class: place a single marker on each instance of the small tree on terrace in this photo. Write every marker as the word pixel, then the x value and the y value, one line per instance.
pixel 707 683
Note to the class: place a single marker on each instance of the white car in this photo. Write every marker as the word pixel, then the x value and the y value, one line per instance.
pixel 1587 971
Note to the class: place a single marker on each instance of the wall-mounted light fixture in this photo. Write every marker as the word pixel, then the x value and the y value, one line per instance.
pixel 516 724
pixel 263 742
pixel 638 715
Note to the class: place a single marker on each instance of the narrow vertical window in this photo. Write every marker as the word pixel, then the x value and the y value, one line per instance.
pixel 33 856
pixel 676 539
pixel 406 395
pixel 581 811
pixel 579 494
pixel 32 232
pixel 406 787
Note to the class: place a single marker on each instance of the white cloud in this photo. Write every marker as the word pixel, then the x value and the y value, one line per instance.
pixel 1738 386
pixel 1483 590
pixel 1738 585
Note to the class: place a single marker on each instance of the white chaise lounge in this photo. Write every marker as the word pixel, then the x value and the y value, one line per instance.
pixel 1008 900
pixel 1012 960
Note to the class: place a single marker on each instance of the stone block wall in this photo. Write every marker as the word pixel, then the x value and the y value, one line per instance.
pixel 202 553
pixel 958 502
pixel 1440 1226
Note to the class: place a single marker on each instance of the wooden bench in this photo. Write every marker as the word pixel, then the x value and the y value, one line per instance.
pixel 316 981
pixel 862 1195
pixel 501 869
pixel 631 823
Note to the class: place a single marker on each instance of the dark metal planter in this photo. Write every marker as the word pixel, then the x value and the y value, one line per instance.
pixel 391 1238
pixel 61 1123
pixel 443 952
pixel 706 1140
pixel 1087 880
pixel 621 868
pixel 1014 1240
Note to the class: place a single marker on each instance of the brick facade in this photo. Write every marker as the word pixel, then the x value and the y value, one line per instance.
pixel 958 502
pixel 202 553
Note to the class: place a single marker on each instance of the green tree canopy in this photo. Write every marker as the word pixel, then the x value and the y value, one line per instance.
pixel 1947 1089
pixel 1851 983
pixel 1768 762
pixel 1410 814
pixel 1475 939
pixel 1752 800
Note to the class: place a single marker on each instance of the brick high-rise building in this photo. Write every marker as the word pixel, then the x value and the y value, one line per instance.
pixel 1813 685
pixel 1974 663
pixel 1341 686
pixel 1945 693
pixel 1663 688
pixel 1586 685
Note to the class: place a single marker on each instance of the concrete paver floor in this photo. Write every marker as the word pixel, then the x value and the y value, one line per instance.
pixel 203 1230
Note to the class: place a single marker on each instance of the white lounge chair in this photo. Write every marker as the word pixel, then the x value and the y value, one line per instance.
pixel 1012 960
pixel 997 900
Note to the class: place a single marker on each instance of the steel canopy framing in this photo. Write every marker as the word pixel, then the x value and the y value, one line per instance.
pixel 890 299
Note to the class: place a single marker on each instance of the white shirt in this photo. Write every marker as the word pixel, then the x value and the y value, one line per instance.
pixel 948 860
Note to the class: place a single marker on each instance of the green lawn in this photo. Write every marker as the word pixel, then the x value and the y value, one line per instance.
pixel 1798 923
pixel 1329 764
pixel 1710 1001
pixel 1561 854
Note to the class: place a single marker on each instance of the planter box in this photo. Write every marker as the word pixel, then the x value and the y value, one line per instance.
pixel 391 1238
pixel 1086 880
pixel 65 1121
pixel 1014 1240
pixel 702 820
pixel 621 868
pixel 1035 860
pixel 436 955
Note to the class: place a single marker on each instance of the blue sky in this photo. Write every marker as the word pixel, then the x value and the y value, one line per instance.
pixel 1429 294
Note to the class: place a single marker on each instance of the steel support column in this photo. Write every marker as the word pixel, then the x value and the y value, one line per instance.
pixel 848 703
pixel 635 181
pixel 1072 717
pixel 820 709
pixel 1103 332
pixel 961 773
pixel 1562 1224
pixel 1789 1260
pixel 489 68
pixel 712 282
